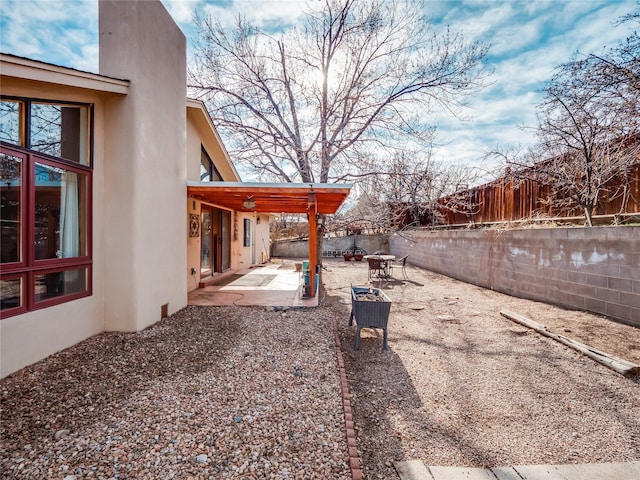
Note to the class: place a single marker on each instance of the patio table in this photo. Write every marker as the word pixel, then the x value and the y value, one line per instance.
pixel 386 262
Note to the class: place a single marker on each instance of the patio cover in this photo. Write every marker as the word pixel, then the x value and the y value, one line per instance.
pixel 271 197
pixel 309 198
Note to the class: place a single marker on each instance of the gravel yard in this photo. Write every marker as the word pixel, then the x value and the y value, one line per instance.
pixel 212 392
pixel 462 386
pixel 240 392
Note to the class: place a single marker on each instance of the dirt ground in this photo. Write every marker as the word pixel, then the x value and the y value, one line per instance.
pixel 461 385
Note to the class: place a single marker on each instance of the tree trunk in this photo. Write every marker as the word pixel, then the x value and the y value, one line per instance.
pixel 587 216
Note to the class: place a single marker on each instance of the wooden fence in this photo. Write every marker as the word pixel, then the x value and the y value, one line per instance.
pixel 508 200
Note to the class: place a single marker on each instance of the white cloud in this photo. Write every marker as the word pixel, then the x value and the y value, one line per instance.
pixel 597 30
pixel 528 38
pixel 51 31
pixel 485 23
pixel 181 10
pixel 266 14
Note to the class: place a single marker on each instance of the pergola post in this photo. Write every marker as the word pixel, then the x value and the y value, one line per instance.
pixel 313 242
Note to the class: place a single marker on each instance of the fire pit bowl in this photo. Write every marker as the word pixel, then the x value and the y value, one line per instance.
pixel 370 309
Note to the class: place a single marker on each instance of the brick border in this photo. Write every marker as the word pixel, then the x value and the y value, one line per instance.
pixel 354 461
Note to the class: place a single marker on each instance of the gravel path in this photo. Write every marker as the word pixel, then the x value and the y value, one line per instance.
pixel 212 392
pixel 462 386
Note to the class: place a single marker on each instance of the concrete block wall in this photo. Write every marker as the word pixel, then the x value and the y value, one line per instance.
pixel 595 269
pixel 300 248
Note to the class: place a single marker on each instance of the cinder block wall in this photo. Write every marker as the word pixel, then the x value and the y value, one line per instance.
pixel 300 248
pixel 595 269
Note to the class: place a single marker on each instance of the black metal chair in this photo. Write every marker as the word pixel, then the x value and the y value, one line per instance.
pixel 376 267
pixel 402 263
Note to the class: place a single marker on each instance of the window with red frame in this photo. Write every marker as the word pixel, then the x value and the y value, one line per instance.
pixel 45 193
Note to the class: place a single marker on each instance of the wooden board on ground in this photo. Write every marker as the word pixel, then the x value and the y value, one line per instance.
pixel 620 365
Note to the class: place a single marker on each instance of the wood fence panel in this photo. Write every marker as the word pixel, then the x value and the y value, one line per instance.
pixel 502 201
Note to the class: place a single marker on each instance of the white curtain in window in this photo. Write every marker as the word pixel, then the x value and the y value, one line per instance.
pixel 69 216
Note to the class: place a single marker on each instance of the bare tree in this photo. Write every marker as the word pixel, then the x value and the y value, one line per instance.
pixel 588 127
pixel 587 130
pixel 416 190
pixel 333 97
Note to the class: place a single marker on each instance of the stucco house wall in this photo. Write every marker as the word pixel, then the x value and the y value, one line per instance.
pixel 248 256
pixel 147 141
pixel 201 134
pixel 29 337
pixel 262 241
pixel 145 164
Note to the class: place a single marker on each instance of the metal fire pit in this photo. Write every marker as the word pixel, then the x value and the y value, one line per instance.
pixel 370 309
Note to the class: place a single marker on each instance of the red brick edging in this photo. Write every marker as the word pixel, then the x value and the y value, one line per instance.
pixel 354 461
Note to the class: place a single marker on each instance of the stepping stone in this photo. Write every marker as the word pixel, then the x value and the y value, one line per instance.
pixel 607 471
pixel 461 473
pixel 412 470
pixel 591 471
pixel 549 472
pixel 416 470
pixel 505 473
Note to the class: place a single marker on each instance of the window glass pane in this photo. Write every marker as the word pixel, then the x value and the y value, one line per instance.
pixel 205 169
pixel 10 207
pixel 57 284
pixel 247 232
pixel 60 213
pixel 10 121
pixel 208 171
pixel 60 131
pixel 226 239
pixel 205 246
pixel 10 293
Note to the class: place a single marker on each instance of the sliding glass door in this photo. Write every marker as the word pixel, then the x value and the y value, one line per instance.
pixel 215 247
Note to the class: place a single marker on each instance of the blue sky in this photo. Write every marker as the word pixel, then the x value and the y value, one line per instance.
pixel 528 39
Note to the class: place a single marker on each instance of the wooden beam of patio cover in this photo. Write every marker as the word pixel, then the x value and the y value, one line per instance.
pixel 271 198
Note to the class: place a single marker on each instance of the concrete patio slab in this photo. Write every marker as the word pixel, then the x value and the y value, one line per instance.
pixel 549 472
pixel 284 290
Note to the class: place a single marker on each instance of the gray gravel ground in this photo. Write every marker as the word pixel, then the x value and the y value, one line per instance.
pixel 212 392
pixel 462 386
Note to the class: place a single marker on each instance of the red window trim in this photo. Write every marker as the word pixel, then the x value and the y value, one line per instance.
pixel 10 312
pixel 28 266
pixel 21 264
pixel 62 298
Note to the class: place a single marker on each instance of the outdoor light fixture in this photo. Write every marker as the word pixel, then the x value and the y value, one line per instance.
pixel 249 204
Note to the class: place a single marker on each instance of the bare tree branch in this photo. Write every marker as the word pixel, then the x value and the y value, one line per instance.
pixel 355 83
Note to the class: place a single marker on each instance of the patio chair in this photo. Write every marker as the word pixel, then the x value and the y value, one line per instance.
pixel 376 267
pixel 402 263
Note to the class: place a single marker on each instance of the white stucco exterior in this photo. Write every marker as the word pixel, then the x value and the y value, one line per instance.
pixel 145 164
pixel 147 143
pixel 27 338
